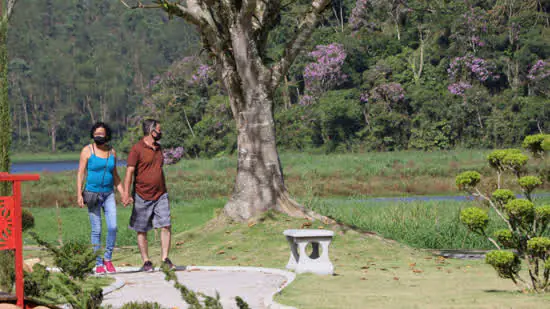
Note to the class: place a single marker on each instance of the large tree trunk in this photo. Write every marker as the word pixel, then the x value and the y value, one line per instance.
pixel 259 184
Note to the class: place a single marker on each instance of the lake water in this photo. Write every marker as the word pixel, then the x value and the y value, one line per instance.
pixel 39 167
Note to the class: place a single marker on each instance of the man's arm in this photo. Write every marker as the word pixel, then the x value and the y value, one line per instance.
pixel 133 158
pixel 127 184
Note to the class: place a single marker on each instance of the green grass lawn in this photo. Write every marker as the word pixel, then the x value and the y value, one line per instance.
pixel 75 224
pixel 371 272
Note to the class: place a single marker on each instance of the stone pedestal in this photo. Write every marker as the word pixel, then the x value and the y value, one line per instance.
pixel 318 261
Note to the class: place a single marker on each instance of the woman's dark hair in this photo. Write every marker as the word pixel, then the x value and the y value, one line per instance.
pixel 148 126
pixel 104 126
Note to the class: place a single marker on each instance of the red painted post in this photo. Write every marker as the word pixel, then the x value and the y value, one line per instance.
pixel 11 228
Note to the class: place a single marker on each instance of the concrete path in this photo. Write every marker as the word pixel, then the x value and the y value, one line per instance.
pixel 255 286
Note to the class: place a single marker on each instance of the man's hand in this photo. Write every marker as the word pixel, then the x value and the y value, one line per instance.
pixel 80 201
pixel 126 200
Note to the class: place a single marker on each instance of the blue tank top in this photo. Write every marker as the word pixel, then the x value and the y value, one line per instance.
pixel 96 167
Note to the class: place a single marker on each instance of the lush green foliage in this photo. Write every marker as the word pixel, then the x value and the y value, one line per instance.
pixel 75 258
pixel 37 283
pixel 417 75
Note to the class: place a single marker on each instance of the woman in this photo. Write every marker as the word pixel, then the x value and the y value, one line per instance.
pixel 98 163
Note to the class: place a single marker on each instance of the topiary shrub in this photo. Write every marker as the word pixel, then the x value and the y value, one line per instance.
pixel 505 237
pixel 468 180
pixel 539 246
pixel 536 143
pixel 502 196
pixel 476 219
pixel 542 214
pixel 506 263
pixel 529 183
pixel 527 225
pixel 520 211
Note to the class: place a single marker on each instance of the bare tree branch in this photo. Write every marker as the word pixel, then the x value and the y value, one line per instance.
pixel 9 9
pixel 303 33
pixel 265 18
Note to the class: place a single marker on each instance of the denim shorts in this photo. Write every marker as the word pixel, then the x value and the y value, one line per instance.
pixel 147 215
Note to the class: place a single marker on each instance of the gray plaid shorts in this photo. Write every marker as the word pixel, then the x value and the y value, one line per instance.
pixel 147 215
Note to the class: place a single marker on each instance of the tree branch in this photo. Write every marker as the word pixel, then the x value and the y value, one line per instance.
pixel 266 16
pixel 9 9
pixel 303 33
pixel 495 208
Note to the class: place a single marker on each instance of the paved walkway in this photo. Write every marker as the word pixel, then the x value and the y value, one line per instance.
pixel 255 287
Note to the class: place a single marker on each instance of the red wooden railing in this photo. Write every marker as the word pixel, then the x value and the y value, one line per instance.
pixel 11 227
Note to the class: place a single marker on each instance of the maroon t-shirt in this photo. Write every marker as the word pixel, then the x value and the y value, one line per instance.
pixel 149 178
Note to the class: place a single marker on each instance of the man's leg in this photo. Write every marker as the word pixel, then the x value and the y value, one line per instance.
pixel 165 237
pixel 143 246
pixel 162 220
pixel 141 222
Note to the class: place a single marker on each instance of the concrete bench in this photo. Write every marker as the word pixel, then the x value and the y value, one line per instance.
pixel 317 262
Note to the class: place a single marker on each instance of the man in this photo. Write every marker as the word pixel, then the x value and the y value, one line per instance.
pixel 150 197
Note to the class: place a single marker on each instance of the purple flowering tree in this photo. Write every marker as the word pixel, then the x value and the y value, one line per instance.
pixel 203 75
pixel 387 97
pixel 324 73
pixel 471 28
pixel 464 71
pixel 539 78
pixel 173 155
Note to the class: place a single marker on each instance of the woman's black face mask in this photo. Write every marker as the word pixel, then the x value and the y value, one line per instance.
pixel 100 140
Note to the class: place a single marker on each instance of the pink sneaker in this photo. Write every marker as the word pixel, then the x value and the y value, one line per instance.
pixel 110 268
pixel 99 270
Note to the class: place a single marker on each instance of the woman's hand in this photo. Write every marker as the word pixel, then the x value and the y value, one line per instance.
pixel 80 199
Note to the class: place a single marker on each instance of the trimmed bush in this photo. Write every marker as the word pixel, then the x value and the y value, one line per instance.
pixel 539 246
pixel 476 219
pixel 506 263
pixel 515 161
pixel 505 237
pixel 529 183
pixel 468 180
pixel 534 143
pixel 503 196
pixel 496 157
pixel 542 214
pixel 520 209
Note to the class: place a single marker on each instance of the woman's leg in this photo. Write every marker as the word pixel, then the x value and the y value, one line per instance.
pixel 109 208
pixel 95 222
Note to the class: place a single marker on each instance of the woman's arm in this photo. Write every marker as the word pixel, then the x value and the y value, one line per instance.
pixel 84 155
pixel 118 183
